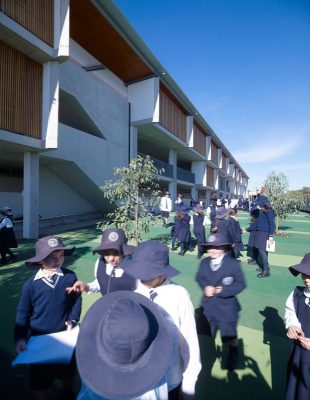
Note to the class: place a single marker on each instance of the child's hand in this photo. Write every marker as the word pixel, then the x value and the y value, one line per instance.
pixel 20 346
pixel 304 342
pixel 78 287
pixel 218 289
pixel 209 291
pixel 294 332
pixel 70 325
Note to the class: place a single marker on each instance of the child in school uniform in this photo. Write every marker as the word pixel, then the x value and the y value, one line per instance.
pixel 221 279
pixel 182 231
pixel 150 264
pixel 221 223
pixel 109 275
pixel 297 322
pixel 252 229
pixel 235 233
pixel 199 220
pixel 7 235
pixel 125 349
pixel 46 307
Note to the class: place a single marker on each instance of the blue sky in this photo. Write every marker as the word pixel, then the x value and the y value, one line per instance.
pixel 245 65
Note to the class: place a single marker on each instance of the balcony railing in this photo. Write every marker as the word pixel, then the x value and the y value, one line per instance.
pixel 185 175
pixel 159 164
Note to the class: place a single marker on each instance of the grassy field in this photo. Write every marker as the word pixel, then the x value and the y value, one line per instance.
pixel 263 342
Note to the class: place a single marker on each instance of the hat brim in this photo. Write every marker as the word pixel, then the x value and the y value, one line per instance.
pixel 209 245
pixel 300 269
pixel 222 216
pixel 124 249
pixel 108 378
pixel 134 269
pixel 34 261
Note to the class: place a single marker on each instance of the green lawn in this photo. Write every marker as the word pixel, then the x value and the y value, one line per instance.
pixel 264 346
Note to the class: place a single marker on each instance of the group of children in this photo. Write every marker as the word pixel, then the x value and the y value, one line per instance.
pixel 139 341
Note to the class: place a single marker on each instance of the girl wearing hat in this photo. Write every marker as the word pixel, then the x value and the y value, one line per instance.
pixel 235 232
pixel 109 276
pixel 221 279
pixel 182 230
pixel 199 220
pixel 297 322
pixel 45 307
pixel 7 235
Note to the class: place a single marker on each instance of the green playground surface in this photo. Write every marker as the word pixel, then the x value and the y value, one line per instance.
pixel 264 347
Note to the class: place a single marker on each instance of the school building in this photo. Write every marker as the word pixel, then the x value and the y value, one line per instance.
pixel 81 94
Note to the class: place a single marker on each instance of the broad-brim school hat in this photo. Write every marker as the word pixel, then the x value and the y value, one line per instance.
pixel 303 267
pixel 114 239
pixel 221 213
pixel 150 259
pixel 217 240
pixel 124 347
pixel 182 210
pixel 199 208
pixel 45 246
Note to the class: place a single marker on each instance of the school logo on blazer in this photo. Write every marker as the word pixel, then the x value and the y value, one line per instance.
pixel 228 280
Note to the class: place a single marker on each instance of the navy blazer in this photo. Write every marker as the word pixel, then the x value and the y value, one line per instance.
pixel 222 306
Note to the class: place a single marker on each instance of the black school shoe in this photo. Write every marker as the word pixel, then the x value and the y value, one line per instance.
pixel 232 358
pixel 263 275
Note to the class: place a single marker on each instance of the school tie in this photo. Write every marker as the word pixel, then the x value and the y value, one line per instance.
pixel 53 278
pixel 153 294
pixel 166 203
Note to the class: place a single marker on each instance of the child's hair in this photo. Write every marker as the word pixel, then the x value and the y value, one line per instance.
pixel 215 227
pixel 181 215
pixel 232 212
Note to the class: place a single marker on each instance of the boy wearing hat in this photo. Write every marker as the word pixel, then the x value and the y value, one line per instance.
pixel 109 276
pixel 7 235
pixel 150 264
pixel 125 349
pixel 46 307
pixel 221 279
pixel 297 322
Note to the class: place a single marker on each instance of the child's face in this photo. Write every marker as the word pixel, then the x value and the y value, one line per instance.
pixel 306 279
pixel 154 282
pixel 53 261
pixel 215 252
pixel 112 257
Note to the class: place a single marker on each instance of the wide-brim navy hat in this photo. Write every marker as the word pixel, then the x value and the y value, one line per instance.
pixel 6 211
pixel 124 347
pixel 217 240
pixel 199 208
pixel 150 259
pixel 221 213
pixel 114 239
pixel 182 210
pixel 45 246
pixel 303 267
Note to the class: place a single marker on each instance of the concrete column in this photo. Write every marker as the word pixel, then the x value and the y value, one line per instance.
pixel 50 104
pixel 31 196
pixel 133 142
pixel 173 185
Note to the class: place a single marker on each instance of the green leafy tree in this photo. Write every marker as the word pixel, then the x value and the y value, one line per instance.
pixel 132 192
pixel 276 188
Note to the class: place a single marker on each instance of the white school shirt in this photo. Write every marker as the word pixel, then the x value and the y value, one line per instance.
pixel 6 222
pixel 165 204
pixel 94 286
pixel 290 316
pixel 175 300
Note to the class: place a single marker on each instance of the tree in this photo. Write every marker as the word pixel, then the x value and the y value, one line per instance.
pixel 132 191
pixel 276 188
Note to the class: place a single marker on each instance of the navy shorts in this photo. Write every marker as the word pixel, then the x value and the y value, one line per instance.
pixel 228 330
pixel 164 214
